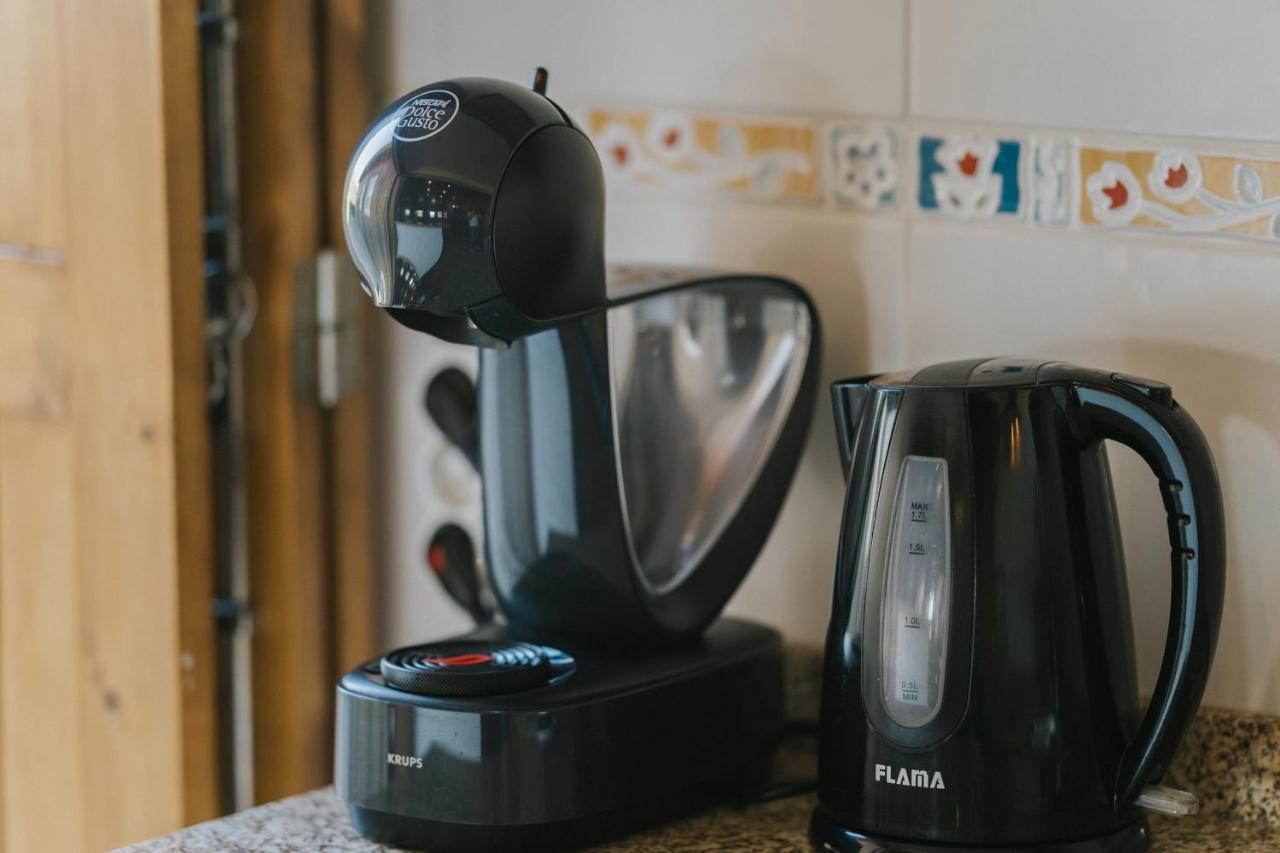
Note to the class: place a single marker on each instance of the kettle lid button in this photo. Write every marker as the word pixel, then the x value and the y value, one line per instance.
pixel 1153 390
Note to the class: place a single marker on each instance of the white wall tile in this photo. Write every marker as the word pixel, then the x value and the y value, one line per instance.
pixel 1140 65
pixel 831 55
pixel 414 606
pixel 894 293
pixel 853 268
pixel 410 40
pixel 1203 320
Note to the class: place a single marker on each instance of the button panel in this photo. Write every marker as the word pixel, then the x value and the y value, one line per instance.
pixel 1152 389
pixel 469 668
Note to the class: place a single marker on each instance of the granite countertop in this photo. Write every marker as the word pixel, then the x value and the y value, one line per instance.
pixel 318 821
pixel 1231 760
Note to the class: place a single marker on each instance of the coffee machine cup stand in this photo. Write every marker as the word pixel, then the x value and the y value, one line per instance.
pixel 639 429
pixel 979 686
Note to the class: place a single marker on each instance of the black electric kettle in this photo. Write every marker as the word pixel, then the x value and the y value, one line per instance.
pixel 980 688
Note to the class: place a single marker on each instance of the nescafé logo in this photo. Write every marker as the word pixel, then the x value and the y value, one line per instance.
pixel 425 115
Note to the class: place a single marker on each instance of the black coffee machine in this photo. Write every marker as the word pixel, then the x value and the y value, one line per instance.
pixel 979 689
pixel 639 429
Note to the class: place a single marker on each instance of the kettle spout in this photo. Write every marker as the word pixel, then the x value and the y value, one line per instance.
pixel 849 402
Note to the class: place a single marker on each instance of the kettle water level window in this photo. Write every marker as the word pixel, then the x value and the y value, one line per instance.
pixel 917 595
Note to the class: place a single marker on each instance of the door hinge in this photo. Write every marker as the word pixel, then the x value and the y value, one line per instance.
pixel 327 335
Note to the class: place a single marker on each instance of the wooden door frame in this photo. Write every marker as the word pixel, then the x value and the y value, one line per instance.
pixel 193 455
pixel 345 88
pixel 303 103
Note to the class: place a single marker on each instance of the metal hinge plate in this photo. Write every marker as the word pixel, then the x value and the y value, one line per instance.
pixel 328 340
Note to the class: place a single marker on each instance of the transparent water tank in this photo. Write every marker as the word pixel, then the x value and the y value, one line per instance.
pixel 703 380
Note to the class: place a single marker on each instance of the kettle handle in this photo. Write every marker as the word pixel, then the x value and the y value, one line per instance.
pixel 1143 415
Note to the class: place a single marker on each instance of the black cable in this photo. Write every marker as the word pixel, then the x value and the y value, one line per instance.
pixel 771 791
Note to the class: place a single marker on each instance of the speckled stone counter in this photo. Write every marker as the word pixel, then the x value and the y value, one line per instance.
pixel 1231 760
pixel 318 821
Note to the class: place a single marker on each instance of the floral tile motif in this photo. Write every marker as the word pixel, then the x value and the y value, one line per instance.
pixel 761 158
pixel 1045 179
pixel 969 177
pixel 1174 189
pixel 862 165
pixel 1048 202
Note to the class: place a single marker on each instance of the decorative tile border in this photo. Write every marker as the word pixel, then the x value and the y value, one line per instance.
pixel 1043 180
pixel 764 159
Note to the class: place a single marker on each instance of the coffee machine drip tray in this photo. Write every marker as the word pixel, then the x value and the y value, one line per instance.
pixel 499 740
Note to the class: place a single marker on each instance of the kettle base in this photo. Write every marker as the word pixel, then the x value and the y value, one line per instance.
pixel 826 834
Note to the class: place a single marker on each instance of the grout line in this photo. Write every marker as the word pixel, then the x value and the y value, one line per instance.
pixel 906 58
pixel 906 195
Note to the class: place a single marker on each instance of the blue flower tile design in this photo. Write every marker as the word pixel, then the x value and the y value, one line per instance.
pixel 970 177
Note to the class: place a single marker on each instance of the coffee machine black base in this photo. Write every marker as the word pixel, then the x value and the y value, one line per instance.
pixel 585 831
pixel 827 834
pixel 550 744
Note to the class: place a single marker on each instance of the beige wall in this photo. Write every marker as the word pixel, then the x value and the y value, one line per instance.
pixel 901 288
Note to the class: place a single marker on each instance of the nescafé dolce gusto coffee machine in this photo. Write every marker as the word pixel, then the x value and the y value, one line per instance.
pixel 639 430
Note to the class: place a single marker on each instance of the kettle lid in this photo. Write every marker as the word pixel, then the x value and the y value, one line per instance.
pixel 968 373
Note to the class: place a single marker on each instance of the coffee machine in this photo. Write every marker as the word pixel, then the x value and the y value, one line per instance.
pixel 979 686
pixel 638 431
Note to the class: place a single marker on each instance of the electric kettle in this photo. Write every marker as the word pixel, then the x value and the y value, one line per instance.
pixel 980 687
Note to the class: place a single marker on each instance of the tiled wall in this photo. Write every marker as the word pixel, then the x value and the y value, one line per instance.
pixel 1089 180
pixel 1117 182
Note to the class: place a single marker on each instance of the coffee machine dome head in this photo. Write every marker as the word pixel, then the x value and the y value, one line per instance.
pixel 474 211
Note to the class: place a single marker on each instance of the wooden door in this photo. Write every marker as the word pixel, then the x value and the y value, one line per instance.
pixel 107 728
pixel 108 707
